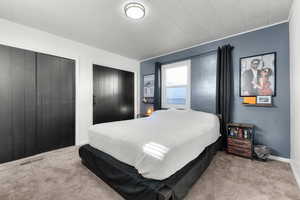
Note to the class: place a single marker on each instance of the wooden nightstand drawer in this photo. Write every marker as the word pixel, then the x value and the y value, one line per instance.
pixel 239 143
pixel 240 151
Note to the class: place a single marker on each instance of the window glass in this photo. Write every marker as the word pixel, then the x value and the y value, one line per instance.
pixel 176 76
pixel 176 95
pixel 176 85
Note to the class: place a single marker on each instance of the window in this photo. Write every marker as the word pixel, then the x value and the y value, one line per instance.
pixel 176 85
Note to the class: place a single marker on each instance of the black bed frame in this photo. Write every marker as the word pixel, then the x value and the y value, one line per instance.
pixel 126 180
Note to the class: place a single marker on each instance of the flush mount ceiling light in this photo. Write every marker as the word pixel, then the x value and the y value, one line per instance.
pixel 134 10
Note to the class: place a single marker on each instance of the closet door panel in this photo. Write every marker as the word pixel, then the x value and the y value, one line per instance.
pixel 18 118
pixel 116 96
pixel 67 106
pixel 56 102
pixel 23 102
pixel 30 103
pixel 129 98
pixel 105 95
pixel 47 133
pixel 97 87
pixel 6 141
pixel 126 95
pixel 123 109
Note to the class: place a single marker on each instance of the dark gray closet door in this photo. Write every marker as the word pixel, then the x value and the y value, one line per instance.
pixel 17 103
pixel 23 102
pixel 55 102
pixel 105 94
pixel 67 114
pixel 6 141
pixel 113 95
pixel 126 99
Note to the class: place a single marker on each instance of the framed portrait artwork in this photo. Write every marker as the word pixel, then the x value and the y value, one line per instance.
pixel 258 75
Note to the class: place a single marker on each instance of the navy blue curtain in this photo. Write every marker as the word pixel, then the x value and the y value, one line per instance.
pixel 224 87
pixel 157 88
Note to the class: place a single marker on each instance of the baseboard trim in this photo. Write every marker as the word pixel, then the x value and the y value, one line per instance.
pixel 281 159
pixel 286 160
pixel 297 176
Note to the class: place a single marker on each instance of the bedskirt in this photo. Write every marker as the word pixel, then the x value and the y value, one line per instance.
pixel 126 180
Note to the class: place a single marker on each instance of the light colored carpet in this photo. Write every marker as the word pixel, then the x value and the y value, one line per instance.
pixel 60 176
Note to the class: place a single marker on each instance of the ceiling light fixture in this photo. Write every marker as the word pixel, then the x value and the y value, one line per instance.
pixel 134 10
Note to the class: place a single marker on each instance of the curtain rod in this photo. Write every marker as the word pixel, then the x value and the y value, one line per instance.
pixel 189 57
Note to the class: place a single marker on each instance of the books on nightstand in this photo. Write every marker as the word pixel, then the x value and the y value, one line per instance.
pixel 240 139
pixel 242 133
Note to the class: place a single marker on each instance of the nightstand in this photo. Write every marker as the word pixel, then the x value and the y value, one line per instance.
pixel 240 139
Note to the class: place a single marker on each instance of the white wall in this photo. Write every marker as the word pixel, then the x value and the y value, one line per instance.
pixel 295 87
pixel 20 36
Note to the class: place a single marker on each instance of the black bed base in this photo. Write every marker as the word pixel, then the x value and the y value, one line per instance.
pixel 126 180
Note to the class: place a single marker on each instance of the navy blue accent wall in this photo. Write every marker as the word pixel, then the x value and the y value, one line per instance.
pixel 272 124
pixel 204 82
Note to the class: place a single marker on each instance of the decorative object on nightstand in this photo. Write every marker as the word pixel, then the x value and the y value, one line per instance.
pixel 240 139
pixel 148 100
pixel 148 113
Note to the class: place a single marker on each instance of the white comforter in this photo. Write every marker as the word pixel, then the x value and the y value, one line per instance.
pixel 160 145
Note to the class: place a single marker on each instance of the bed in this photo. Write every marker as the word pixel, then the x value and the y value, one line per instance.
pixel 159 157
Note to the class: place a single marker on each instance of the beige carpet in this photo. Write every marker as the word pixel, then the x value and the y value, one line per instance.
pixel 60 176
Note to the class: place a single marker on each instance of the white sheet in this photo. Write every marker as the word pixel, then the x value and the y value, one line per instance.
pixel 160 145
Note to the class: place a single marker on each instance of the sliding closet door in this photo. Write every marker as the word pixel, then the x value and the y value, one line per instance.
pixel 126 99
pixel 67 114
pixel 105 94
pixel 23 102
pixel 17 103
pixel 55 102
pixel 6 141
pixel 113 97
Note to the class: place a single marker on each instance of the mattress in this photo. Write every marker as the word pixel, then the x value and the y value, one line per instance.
pixel 160 145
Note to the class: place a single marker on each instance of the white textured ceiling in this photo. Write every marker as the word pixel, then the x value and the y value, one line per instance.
pixel 169 25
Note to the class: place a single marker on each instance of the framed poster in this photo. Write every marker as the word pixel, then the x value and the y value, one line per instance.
pixel 149 86
pixel 258 75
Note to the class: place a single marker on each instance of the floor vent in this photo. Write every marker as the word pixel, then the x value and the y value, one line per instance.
pixel 32 161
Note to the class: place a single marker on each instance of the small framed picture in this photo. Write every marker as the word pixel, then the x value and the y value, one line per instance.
pixel 149 85
pixel 264 100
